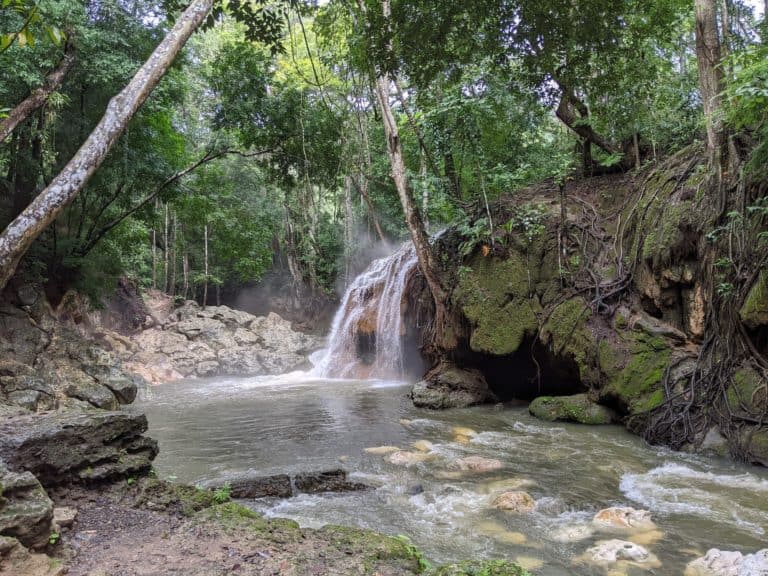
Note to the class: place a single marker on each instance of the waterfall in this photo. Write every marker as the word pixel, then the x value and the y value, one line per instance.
pixel 371 308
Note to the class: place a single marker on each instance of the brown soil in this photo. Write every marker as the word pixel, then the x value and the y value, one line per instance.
pixel 115 534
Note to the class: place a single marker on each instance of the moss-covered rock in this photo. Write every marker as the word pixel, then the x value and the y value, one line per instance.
pixel 481 568
pixel 754 311
pixel 754 442
pixel 495 296
pixel 635 377
pixel 577 408
pixel 448 386
pixel 567 334
pixel 748 392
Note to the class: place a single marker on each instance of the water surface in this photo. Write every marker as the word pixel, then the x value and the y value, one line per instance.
pixel 215 429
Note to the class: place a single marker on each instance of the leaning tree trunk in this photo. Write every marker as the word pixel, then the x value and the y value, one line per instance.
pixel 445 336
pixel 39 96
pixel 22 232
pixel 709 58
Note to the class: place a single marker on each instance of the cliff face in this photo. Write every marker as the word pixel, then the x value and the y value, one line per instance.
pixel 629 289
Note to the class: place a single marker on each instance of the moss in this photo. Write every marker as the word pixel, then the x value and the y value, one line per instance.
pixel 179 498
pixel 620 321
pixel 495 296
pixel 637 384
pixel 481 568
pixel 754 311
pixel 757 446
pixel 567 332
pixel 356 541
pixel 748 391
pixel 578 408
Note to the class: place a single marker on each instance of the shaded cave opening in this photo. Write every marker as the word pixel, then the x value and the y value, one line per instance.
pixel 532 371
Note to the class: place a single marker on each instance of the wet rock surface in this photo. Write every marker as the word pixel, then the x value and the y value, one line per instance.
pixel 285 486
pixel 448 386
pixel 577 408
pixel 723 563
pixel 26 511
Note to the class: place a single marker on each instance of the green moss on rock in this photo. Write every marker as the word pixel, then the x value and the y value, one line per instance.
pixel 577 408
pixel 568 335
pixel 754 311
pixel 748 392
pixel 495 296
pixel 481 568
pixel 637 384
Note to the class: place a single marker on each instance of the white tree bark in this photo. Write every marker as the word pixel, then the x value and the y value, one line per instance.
pixel 16 239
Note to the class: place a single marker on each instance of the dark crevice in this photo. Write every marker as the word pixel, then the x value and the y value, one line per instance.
pixel 531 371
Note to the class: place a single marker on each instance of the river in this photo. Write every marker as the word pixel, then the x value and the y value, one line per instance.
pixel 218 428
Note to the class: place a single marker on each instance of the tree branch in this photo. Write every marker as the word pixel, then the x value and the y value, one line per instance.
pixel 39 96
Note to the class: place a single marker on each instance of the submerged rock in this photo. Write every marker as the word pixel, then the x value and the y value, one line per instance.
pixel 478 464
pixel 721 563
pixel 328 481
pixel 573 533
pixel 577 408
pixel 448 386
pixel 382 450
pixel 405 458
pixel 624 520
pixel 515 501
pixel 481 567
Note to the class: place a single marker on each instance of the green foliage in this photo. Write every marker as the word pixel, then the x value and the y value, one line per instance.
pixel 223 494
pixel 528 220
pixel 413 551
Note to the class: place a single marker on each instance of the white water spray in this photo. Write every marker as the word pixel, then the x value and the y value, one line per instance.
pixel 376 295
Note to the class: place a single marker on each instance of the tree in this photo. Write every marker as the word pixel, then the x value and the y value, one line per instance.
pixel 708 57
pixel 16 239
pixel 445 336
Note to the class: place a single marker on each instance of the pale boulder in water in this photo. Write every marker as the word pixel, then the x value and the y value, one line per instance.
pixel 624 519
pixel 423 446
pixel 574 533
pixel 478 464
pixel 722 563
pixel 613 551
pixel 405 458
pixel 515 501
pixel 382 450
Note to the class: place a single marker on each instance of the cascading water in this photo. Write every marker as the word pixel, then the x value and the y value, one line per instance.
pixel 371 307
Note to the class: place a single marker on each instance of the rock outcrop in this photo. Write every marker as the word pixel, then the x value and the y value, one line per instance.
pixel 26 512
pixel 47 362
pixel 722 563
pixel 448 386
pixel 61 448
pixel 194 341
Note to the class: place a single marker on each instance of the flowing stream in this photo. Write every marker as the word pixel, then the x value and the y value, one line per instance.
pixel 219 428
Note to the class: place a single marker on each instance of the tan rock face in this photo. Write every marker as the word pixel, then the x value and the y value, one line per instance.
pixel 614 551
pixel 515 501
pixel 723 563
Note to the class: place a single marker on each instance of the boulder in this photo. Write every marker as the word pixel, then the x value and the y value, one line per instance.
pixel 65 447
pixel 240 360
pixel 515 501
pixel 328 481
pixel 284 486
pixel 405 458
pixel 64 517
pixel 448 386
pixel 478 464
pixel 722 563
pixel 25 509
pixel 612 551
pixel 624 520
pixel 577 408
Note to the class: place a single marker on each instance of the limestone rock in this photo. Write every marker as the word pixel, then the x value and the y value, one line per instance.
pixel 577 408
pixel 515 501
pixel 240 360
pixel 423 446
pixel 478 464
pixel 60 448
pixel 624 519
pixel 448 386
pixel 382 450
pixel 284 486
pixel 722 563
pixel 405 458
pixel 25 509
pixel 612 551
pixel 64 517
pixel 327 481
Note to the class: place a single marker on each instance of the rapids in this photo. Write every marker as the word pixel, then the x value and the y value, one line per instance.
pixel 216 429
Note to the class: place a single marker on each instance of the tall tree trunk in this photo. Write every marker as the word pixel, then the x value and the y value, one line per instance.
pixel 349 231
pixel 575 114
pixel 445 335
pixel 708 57
pixel 166 251
pixel 16 239
pixel 38 96
pixel 205 285
pixel 174 234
